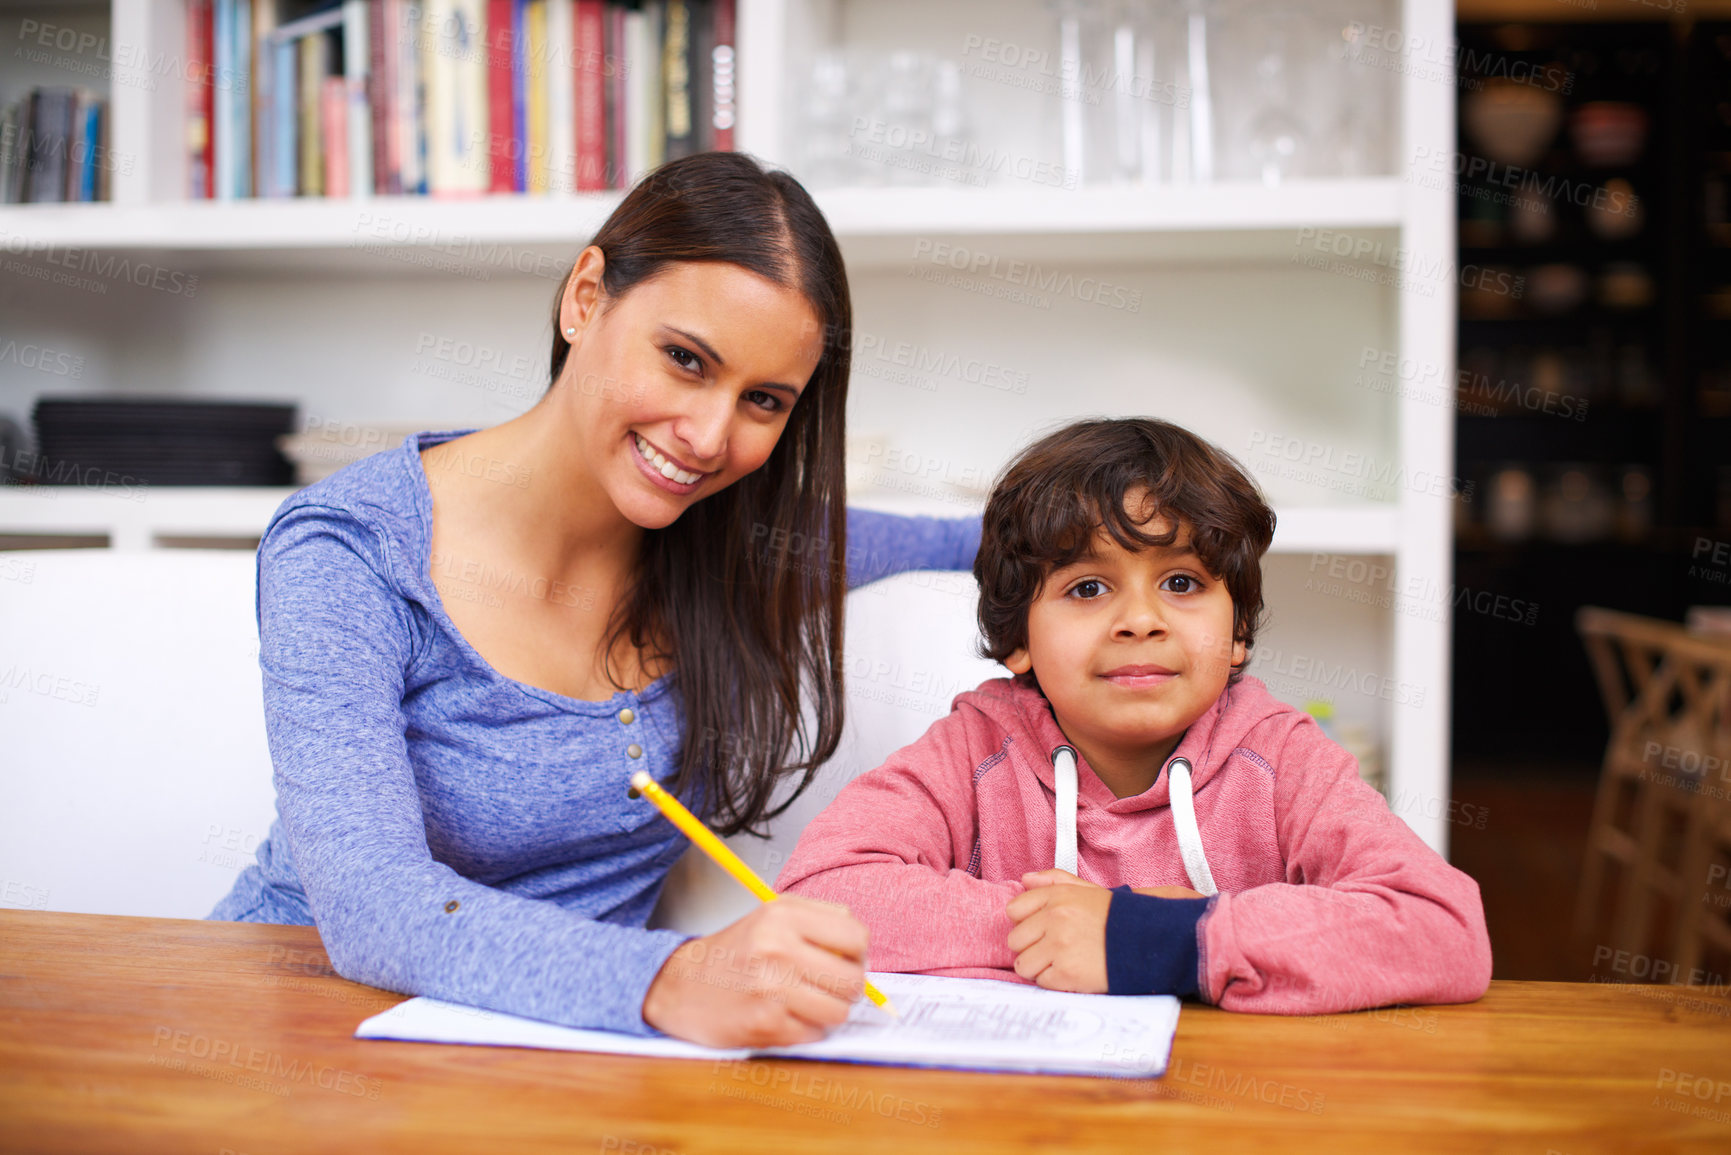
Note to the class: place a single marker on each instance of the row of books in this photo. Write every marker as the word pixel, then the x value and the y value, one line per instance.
pixel 54 147
pixel 451 97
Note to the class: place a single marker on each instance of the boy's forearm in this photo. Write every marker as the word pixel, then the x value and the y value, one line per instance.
pixel 1288 949
pixel 1368 915
pixel 921 919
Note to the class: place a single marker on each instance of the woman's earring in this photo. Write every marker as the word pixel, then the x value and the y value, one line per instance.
pixel 570 331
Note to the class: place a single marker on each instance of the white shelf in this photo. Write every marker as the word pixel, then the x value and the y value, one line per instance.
pixel 1367 530
pixel 532 235
pixel 509 236
pixel 312 223
pixel 1223 208
pixel 137 518
pixel 1300 529
pixel 1121 224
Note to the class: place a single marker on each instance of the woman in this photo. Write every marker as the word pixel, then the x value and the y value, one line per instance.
pixel 471 643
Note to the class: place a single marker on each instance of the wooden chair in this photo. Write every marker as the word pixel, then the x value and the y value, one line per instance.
pixel 1662 818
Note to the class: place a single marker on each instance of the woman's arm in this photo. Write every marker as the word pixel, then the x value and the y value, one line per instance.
pixel 1368 915
pixel 887 849
pixel 881 544
pixel 335 642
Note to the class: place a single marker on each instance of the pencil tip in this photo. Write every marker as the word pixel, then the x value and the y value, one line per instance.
pixel 891 1008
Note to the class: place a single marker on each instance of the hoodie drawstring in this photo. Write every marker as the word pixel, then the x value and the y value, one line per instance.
pixel 1183 819
pixel 1189 834
pixel 1064 778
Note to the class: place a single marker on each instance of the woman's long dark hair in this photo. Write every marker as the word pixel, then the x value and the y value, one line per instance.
pixel 747 622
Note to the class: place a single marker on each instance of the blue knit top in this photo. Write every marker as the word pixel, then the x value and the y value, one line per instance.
pixel 451 831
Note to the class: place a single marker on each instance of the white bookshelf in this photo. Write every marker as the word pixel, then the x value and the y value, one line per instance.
pixel 144 517
pixel 305 300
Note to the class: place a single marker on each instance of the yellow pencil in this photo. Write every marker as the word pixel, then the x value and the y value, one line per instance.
pixel 723 855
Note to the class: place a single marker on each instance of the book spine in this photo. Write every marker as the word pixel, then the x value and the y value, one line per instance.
pixel 654 91
pixel 198 71
pixel 285 139
pixel 214 78
pixel 222 37
pixel 93 150
pixel 76 145
pixel 438 73
pixel 105 169
pixel 408 95
pixel 520 95
pixel 242 104
pixel 65 179
pixel 258 109
pixel 590 94
pixel 470 130
pixel 12 137
pixel 335 128
pixel 724 103
pixel 702 75
pixel 676 80
pixel 103 161
pixel 381 82
pixel 535 18
pixel 636 148
pixel 47 180
pixel 25 116
pixel 618 85
pixel 645 138
pixel 31 160
pixel 455 63
pixel 357 58
pixel 501 143
pixel 82 148
pixel 402 94
pixel 418 35
pixel 312 182
pixel 265 84
pixel 561 98
pixel 9 138
pixel 62 112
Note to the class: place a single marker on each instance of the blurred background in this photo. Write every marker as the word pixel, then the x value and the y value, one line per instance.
pixel 1454 284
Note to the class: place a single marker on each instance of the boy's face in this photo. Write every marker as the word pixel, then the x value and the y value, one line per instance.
pixel 1130 648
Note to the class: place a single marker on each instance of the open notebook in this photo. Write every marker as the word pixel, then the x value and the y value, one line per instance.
pixel 968 1024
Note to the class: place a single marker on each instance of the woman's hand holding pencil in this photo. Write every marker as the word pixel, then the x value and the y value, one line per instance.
pixel 785 973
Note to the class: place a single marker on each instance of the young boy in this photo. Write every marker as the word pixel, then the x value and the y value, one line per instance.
pixel 1130 814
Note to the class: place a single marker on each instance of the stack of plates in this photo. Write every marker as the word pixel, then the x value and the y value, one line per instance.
pixel 99 440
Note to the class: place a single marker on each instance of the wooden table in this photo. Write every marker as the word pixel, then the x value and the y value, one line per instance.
pixel 144 1035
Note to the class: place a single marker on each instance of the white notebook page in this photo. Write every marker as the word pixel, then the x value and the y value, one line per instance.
pixel 968 1024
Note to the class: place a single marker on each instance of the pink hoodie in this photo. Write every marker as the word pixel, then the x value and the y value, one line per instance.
pixel 1327 901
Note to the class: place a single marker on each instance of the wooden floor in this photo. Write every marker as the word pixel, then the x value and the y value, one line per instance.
pixel 1526 860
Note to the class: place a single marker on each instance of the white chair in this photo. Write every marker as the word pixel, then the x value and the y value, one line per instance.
pixel 133 764
pixel 132 749
pixel 908 647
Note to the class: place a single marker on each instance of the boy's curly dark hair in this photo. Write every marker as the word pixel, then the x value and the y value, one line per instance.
pixel 1050 500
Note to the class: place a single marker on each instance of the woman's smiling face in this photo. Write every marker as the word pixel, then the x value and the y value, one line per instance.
pixel 684 384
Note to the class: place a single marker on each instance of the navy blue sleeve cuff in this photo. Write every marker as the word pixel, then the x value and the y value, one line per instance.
pixel 1151 944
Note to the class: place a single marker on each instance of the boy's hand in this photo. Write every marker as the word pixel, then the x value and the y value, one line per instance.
pixel 1060 932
